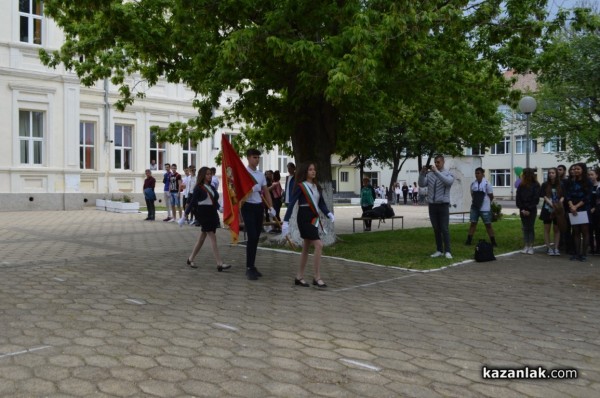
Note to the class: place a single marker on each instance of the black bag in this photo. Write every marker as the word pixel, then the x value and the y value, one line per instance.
pixel 478 197
pixel 382 211
pixel 484 251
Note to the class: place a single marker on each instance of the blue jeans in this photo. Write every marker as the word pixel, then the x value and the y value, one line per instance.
pixel 252 213
pixel 439 215
pixel 528 227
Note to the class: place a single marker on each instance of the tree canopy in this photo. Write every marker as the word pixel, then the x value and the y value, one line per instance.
pixel 318 74
pixel 569 94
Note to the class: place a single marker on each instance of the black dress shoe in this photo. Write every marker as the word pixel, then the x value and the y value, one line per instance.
pixel 257 272
pixel 317 284
pixel 251 274
pixel 301 282
pixel 222 267
pixel 191 263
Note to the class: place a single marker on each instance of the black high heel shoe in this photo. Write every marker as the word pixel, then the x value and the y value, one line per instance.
pixel 301 282
pixel 191 263
pixel 317 284
pixel 222 267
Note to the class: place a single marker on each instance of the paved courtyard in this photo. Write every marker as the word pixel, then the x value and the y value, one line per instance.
pixel 95 304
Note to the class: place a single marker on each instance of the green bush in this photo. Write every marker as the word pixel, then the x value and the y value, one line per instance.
pixel 496 211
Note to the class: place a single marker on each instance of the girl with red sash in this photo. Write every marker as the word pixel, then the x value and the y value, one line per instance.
pixel 309 195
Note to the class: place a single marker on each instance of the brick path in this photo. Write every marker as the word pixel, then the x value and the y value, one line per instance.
pixel 99 304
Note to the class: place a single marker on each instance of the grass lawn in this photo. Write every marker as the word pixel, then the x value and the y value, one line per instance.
pixel 411 248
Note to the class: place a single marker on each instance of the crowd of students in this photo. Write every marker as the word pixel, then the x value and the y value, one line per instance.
pixel 570 210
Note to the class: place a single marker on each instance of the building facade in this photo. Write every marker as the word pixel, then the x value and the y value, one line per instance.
pixel 66 145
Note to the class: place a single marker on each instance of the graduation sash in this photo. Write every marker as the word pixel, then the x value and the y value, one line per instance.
pixel 312 203
pixel 209 191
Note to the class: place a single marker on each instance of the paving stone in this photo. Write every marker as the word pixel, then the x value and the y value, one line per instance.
pixel 428 333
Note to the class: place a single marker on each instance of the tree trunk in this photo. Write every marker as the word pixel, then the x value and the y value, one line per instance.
pixel 313 139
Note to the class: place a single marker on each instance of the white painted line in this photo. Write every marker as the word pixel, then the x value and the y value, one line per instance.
pixel 224 326
pixel 361 364
pixel 59 279
pixel 135 301
pixel 11 354
pixel 373 283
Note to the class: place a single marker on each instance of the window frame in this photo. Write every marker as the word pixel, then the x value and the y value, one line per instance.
pixel 373 177
pixel 30 140
pixel 189 153
pixel 123 149
pixel 160 152
pixel 84 147
pixel 344 176
pixel 505 174
pixel 31 17
pixel 505 143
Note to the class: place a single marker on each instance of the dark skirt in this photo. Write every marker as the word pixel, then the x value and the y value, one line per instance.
pixel 207 217
pixel 307 230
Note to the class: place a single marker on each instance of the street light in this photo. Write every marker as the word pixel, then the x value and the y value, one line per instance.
pixel 527 106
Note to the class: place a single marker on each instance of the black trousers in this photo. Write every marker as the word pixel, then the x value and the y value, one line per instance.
pixel 252 213
pixel 151 209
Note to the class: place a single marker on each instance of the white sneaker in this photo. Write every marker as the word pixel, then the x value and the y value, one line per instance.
pixel 525 250
pixel 448 255
pixel 556 252
pixel 550 252
pixel 437 254
pixel 530 250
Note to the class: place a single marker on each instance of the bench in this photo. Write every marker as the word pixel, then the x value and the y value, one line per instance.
pixel 455 213
pixel 380 220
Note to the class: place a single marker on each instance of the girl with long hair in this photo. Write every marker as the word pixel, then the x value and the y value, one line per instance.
pixel 594 175
pixel 528 197
pixel 309 196
pixel 206 200
pixel 552 209
pixel 579 198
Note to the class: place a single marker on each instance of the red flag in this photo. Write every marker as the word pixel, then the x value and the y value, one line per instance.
pixel 237 186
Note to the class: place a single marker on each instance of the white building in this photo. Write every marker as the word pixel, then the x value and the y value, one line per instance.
pixel 66 145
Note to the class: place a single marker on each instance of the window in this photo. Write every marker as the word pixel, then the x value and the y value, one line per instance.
pixel 500 177
pixel 476 150
pixel 189 153
pixel 30 14
pixel 158 153
pixel 282 161
pixel 520 143
pixel 31 136
pixel 555 144
pixel 344 176
pixel 373 176
pixel 86 145
pixel 123 146
pixel 216 144
pixel 501 148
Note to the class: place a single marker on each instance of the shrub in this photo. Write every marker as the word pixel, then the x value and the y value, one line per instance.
pixel 496 211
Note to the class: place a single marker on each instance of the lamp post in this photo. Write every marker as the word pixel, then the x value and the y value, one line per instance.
pixel 527 106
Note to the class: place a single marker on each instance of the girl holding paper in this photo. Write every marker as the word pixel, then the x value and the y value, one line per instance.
pixel 579 197
pixel 309 196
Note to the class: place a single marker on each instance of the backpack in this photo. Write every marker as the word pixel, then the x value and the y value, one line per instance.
pixel 484 251
pixel 382 211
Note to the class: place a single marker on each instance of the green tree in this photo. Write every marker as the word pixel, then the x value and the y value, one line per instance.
pixel 299 70
pixel 569 93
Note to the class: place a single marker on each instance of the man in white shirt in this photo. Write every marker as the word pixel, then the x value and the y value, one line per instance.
pixel 214 181
pixel 252 212
pixel 482 194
